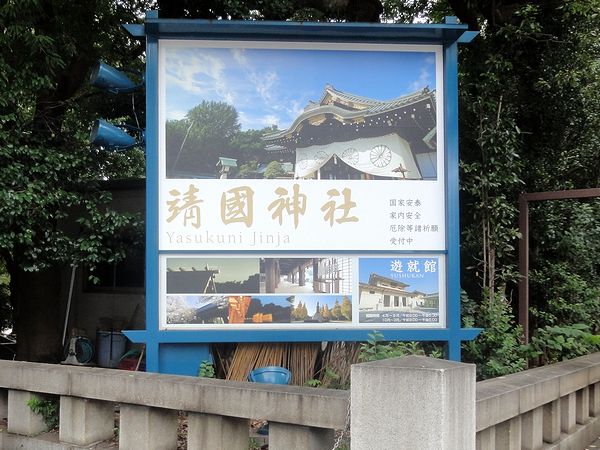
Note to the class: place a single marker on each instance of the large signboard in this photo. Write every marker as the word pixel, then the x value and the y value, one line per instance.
pixel 331 291
pixel 267 146
pixel 302 185
pixel 299 147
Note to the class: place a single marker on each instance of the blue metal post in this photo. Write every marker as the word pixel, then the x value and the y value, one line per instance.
pixel 152 271
pixel 452 199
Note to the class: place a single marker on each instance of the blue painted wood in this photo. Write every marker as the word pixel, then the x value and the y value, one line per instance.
pixel 452 200
pixel 273 253
pixel 294 31
pixel 152 292
pixel 182 358
pixel 306 335
pixel 181 351
pixel 135 29
pixel 467 37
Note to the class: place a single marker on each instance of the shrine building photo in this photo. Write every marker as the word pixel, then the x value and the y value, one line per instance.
pixel 346 136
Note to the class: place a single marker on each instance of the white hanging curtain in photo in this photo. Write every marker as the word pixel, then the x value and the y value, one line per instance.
pixel 385 156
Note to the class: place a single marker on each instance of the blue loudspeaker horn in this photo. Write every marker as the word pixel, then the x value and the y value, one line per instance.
pixel 111 79
pixel 107 135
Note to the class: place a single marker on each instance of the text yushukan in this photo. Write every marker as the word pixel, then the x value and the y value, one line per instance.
pixel 251 238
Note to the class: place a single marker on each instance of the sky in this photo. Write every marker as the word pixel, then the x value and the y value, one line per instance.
pixel 230 269
pixel 272 86
pixel 426 282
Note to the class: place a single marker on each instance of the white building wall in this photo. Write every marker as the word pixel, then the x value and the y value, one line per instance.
pixel 376 301
pixel 370 301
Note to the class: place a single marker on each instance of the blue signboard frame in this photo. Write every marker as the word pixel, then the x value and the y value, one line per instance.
pixel 180 351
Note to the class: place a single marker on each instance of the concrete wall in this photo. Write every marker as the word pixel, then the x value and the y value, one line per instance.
pixel 403 403
pixel 219 410
pixel 552 407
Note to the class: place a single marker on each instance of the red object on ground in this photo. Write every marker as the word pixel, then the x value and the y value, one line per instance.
pixel 130 364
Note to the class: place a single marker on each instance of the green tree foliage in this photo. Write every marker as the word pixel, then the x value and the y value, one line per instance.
pixel 376 349
pixel 249 144
pixel 248 170
pixel 564 279
pixel 529 121
pixel 552 344
pixel 210 130
pixel 530 108
pixel 48 174
pixel 346 308
pixel 325 312
pixel 336 311
pixel 299 10
pixel 498 349
pixel 6 310
pixel 207 131
pixel 273 170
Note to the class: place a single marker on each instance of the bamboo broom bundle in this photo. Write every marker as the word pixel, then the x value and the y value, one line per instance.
pixel 244 359
pixel 303 358
pixel 299 358
pixel 338 357
pixel 223 356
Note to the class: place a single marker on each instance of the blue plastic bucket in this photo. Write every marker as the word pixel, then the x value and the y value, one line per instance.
pixel 270 374
pixel 111 346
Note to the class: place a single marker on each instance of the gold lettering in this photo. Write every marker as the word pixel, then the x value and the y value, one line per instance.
pixel 294 205
pixel 188 203
pixel 237 205
pixel 330 207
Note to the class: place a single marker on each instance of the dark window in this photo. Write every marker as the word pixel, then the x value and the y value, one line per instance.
pixel 126 274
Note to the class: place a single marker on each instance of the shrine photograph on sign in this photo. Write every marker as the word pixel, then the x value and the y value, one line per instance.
pixel 250 290
pixel 267 146
pixel 194 310
pixel 321 291
pixel 228 309
pixel 212 275
pixel 265 113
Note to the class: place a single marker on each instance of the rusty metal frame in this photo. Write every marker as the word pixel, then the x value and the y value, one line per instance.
pixel 524 200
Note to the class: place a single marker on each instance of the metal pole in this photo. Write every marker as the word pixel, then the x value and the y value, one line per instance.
pixel 524 266
pixel 73 269
pixel 524 200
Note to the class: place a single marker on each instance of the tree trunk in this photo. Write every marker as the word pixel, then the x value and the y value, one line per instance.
pixel 36 299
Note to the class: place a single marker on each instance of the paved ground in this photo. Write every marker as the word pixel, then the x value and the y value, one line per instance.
pixel 594 445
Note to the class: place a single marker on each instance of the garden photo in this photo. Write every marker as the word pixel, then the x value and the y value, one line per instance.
pixel 322 309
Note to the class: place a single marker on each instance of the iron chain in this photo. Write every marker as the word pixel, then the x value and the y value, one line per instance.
pixel 340 438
